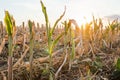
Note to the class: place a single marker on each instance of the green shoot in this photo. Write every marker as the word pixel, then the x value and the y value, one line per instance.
pixel 73 45
pixel 9 29
pixel 118 64
pixel 50 31
pixel 31 46
pixel 71 38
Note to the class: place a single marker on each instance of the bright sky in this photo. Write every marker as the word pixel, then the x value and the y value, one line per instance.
pixel 80 10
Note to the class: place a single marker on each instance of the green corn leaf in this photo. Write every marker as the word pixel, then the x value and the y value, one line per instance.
pixel 8 23
pixel 118 64
pixel 65 35
pixel 55 41
pixel 58 21
pixel 45 15
pixel 67 26
pixel 30 26
pixel 49 38
pixel 47 24
pixel 43 9
pixel 13 21
pixel 58 38
pixel 73 45
pixel 51 76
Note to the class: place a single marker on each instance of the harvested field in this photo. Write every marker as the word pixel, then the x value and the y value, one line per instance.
pixel 61 52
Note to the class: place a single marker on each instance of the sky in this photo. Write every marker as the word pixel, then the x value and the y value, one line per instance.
pixel 80 10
